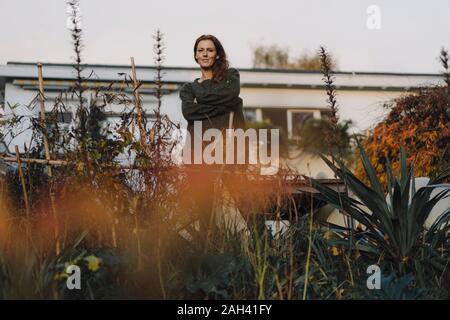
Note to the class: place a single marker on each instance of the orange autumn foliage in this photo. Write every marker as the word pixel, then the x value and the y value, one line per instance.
pixel 418 121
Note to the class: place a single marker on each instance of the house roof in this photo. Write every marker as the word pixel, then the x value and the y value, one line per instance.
pixel 250 78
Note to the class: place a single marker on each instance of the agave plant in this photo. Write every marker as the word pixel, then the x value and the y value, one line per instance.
pixel 394 223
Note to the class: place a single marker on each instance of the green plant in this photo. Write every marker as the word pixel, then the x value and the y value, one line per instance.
pixel 394 225
pixel 399 288
pixel 313 137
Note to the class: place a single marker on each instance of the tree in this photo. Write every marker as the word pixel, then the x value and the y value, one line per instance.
pixel 419 122
pixel 270 57
pixel 276 57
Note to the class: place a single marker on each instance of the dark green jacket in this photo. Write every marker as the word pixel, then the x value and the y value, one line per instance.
pixel 213 102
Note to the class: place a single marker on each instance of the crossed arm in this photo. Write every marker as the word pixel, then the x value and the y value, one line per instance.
pixel 214 103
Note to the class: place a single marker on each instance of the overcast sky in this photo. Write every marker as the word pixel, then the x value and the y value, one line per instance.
pixel 408 39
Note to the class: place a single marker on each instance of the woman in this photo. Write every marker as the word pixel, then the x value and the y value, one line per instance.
pixel 214 100
pixel 212 97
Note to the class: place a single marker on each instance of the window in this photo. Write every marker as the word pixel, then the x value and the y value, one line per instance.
pixel 250 114
pixel 276 116
pixel 299 119
pixel 2 101
pixel 59 117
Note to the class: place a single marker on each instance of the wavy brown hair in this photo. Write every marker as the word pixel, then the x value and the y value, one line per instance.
pixel 221 65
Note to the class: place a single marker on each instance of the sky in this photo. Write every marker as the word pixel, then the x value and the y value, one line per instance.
pixel 375 35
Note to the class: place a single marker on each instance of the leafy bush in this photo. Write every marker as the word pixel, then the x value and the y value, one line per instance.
pixel 394 226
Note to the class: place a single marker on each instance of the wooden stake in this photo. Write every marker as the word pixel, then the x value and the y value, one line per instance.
pixel 138 104
pixel 24 186
pixel 144 146
pixel 39 161
pixel 47 157
pixel 27 206
pixel 42 116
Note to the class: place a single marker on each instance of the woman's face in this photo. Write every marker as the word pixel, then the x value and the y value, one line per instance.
pixel 206 54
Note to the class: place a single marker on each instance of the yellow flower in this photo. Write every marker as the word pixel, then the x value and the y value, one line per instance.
pixel 328 235
pixel 334 251
pixel 80 166
pixel 339 293
pixel 93 262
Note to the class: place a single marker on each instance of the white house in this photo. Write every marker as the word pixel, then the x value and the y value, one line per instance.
pixel 286 97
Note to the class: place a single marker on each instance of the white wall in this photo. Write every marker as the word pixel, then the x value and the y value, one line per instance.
pixel 363 107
